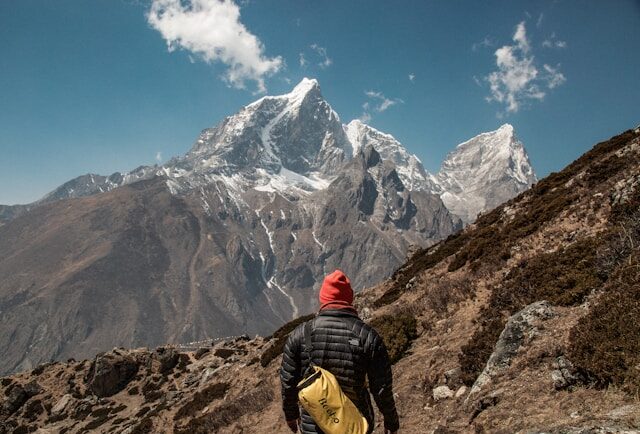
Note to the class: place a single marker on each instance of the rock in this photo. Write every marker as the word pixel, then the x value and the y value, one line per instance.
pixel 191 379
pixel 33 409
pixel 168 358
pixel 622 412
pixel 564 375
pixel 224 353
pixel 519 325
pixel 201 352
pixel 442 392
pixel 16 399
pixel 62 406
pixel 110 373
pixel 32 388
pixel 82 409
pixel 461 391
pixel 488 401
pixel 151 390
pixel 452 376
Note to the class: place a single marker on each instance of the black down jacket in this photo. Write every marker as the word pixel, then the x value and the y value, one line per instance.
pixel 353 352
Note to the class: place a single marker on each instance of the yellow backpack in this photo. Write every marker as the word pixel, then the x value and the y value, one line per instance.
pixel 321 396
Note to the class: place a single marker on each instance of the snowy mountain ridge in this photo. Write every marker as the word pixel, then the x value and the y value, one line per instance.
pixel 481 173
pixel 295 144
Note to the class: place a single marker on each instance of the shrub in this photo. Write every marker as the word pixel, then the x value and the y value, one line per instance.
pixel 446 292
pixel 422 260
pixel 605 344
pixel 564 277
pixel 397 332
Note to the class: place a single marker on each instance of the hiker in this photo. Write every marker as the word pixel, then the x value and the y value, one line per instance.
pixel 347 347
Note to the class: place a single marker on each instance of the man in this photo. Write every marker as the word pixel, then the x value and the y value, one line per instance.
pixel 347 347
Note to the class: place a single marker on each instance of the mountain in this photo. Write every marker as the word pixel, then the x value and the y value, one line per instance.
pixel 484 172
pixel 410 169
pixel 233 237
pixel 524 322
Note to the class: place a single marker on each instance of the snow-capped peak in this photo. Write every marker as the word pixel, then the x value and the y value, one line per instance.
pixel 305 86
pixel 408 166
pixel 483 172
pixel 297 94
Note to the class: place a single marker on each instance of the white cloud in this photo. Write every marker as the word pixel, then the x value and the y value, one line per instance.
pixel 378 103
pixel 302 60
pixel 485 43
pixel 159 157
pixel 412 77
pixel 518 79
pixel 365 117
pixel 554 77
pixel 383 102
pixel 540 18
pixel 325 61
pixel 553 42
pixel 520 37
pixel 211 29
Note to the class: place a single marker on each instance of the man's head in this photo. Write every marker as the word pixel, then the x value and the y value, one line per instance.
pixel 336 291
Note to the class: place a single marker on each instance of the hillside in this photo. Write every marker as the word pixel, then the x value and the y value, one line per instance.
pixel 525 321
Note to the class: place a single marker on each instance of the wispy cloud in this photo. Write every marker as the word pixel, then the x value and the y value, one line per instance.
pixel 365 117
pixel 412 77
pixel 377 103
pixel 553 42
pixel 555 78
pixel 383 103
pixel 302 60
pixel 485 43
pixel 159 157
pixel 211 30
pixel 517 79
pixel 325 61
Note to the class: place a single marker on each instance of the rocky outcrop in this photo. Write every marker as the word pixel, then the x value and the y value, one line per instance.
pixel 520 326
pixel 110 373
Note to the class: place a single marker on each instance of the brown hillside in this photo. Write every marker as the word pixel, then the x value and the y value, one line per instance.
pixel 524 322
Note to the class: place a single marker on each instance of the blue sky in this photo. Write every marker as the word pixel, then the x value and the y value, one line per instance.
pixel 91 86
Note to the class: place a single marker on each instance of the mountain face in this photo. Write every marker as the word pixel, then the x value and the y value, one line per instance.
pixel 410 169
pixel 233 237
pixel 534 332
pixel 484 172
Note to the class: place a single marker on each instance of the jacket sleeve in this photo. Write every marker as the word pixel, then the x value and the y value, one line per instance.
pixel 290 375
pixel 381 382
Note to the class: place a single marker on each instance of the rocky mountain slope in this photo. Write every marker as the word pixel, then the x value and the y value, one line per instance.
pixel 524 322
pixel 230 238
pixel 484 172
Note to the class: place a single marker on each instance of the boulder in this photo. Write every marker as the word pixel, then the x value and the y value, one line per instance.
pixel 15 399
pixel 564 375
pixel 32 388
pixel 461 391
pixel 201 352
pixel 442 392
pixel 63 405
pixel 520 325
pixel 224 353
pixel 110 373
pixel 168 358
